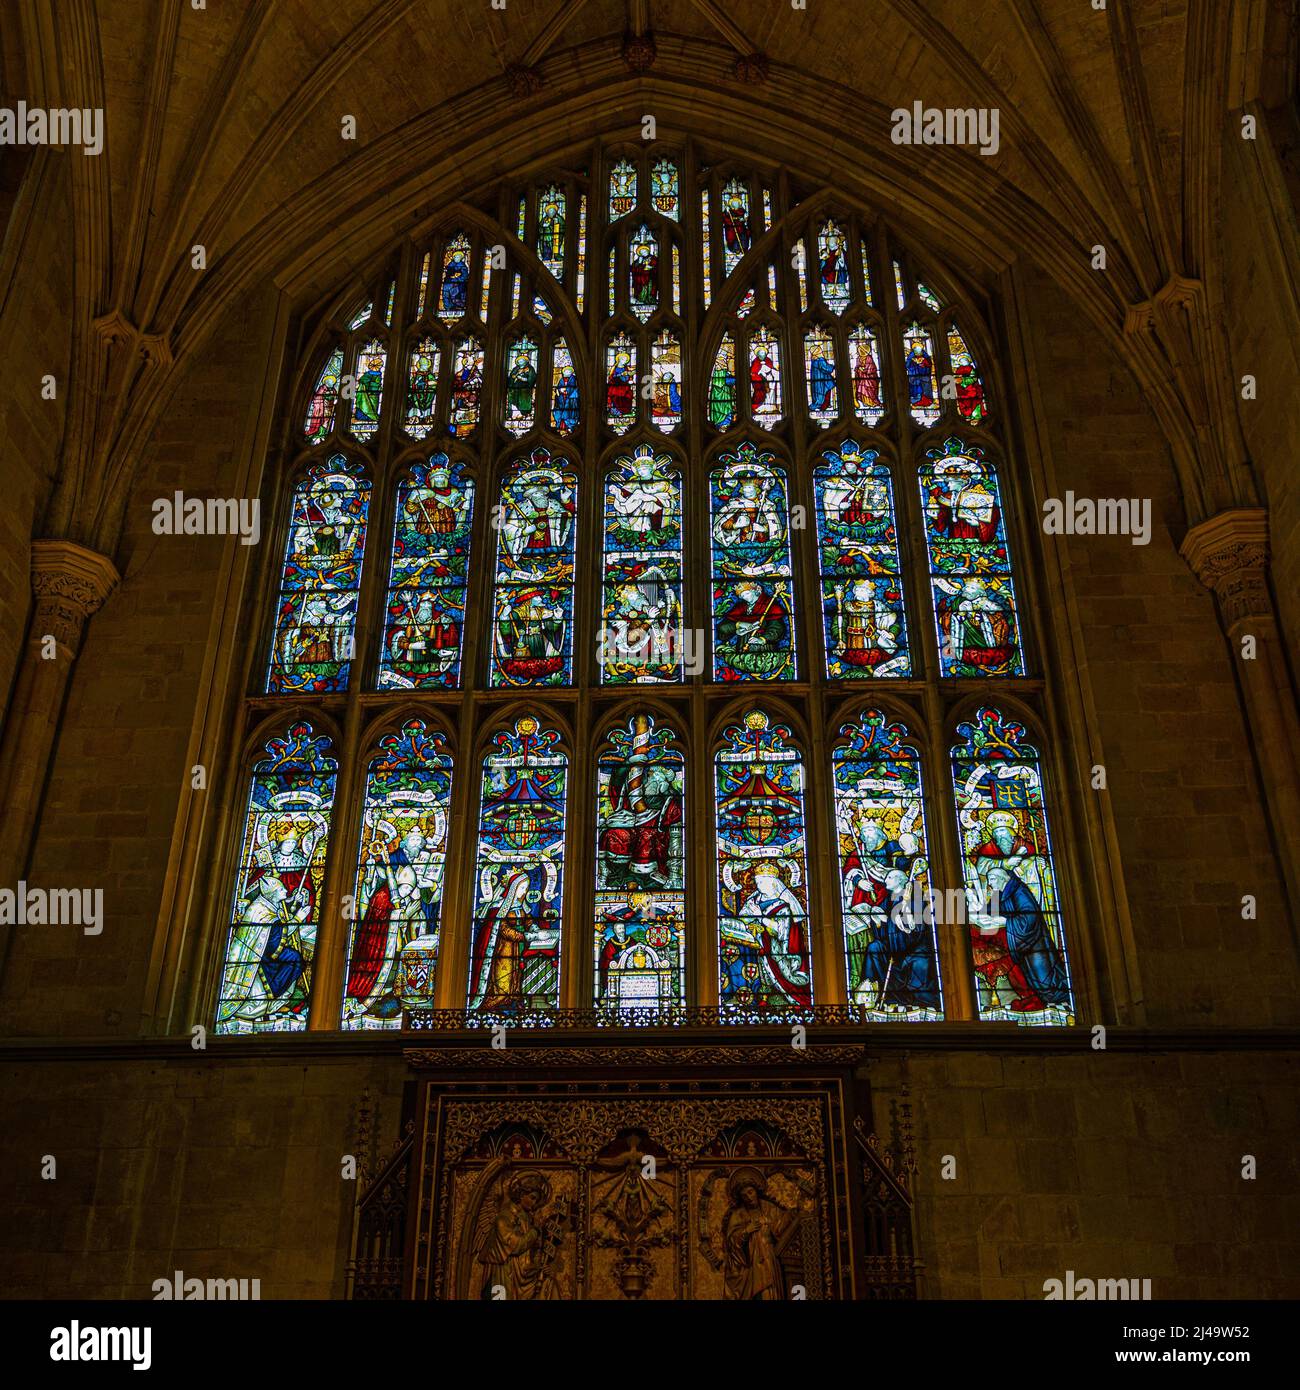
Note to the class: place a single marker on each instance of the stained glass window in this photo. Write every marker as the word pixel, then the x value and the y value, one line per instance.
pixel 866 272
pixel 705 249
pixel 620 384
pixel 424 620
pixel 764 945
pixel 753 603
pixel 765 377
pixel 800 263
pixel 748 303
pixel 324 401
pixel 466 386
pixel 970 567
pixel 864 359
pixel 833 267
pixel 392 960
pixel 861 578
pixel 551 229
pixel 266 971
pixel 819 360
pixel 453 288
pixel 643 273
pixel 922 385
pixel 722 385
pixel 521 386
pixel 613 280
pixel 666 382
pixel 889 921
pixel 641 627
pixel 640 937
pixel 928 296
pixel 424 285
pixel 736 239
pixel 514 971
pixel 622 189
pixel 421 387
pixel 580 288
pixel 532 640
pixel 564 390
pixel 677 280
pixel 663 188
pixel 1022 973
pixel 899 289
pixel 361 316
pixel 971 404
pixel 368 400
pixel 316 613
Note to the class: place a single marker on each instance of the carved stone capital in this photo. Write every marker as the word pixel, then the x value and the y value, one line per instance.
pixel 69 583
pixel 1229 555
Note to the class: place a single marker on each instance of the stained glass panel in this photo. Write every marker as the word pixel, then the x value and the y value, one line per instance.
pixel 324 402
pixel 1022 973
pixel 861 578
pixel 392 960
pixel 922 384
pixel 765 947
pixel 423 362
pixel 722 385
pixel 642 613
pixel 424 619
pixel 705 248
pixel 551 230
pixel 971 402
pixel 819 360
pixel 533 611
pixel 622 189
pixel 928 296
pixel 564 390
pixel 663 188
pixel 466 386
pixel 890 949
pixel 640 932
pixel 521 387
pixel 864 359
pixel 266 971
pixel 753 609
pixel 316 614
pixel 581 282
pixel 518 896
pixel 833 267
pixel 643 273
pixel 453 290
pixel 970 567
pixel 620 384
pixel 736 237
pixel 368 401
pixel 666 382
pixel 765 377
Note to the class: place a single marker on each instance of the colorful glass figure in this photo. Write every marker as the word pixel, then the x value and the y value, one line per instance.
pixel 736 236
pixel 928 297
pixel 620 384
pixel 542 309
pixel 622 189
pixel 765 947
pixel 423 363
pixel 753 609
pixel 666 382
pixel 564 390
pixel 819 361
pixel 861 578
pixel 324 402
pixel 521 386
pixel 922 383
pixel 466 386
pixel 424 619
pixel 392 961
pixel 372 357
pixel 641 627
pixel 969 385
pixel 551 229
pixel 533 607
pixel 514 974
pixel 765 377
pixel 1022 972
pixel 722 385
pixel 970 566
pixel 316 614
pixel 643 273
pixel 864 363
pixel 748 303
pixel 640 936
pixel 890 949
pixel 266 967
pixel 833 267
pixel 424 285
pixel 663 189
pixel 453 292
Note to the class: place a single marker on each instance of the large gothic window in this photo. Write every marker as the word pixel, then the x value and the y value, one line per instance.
pixel 660 491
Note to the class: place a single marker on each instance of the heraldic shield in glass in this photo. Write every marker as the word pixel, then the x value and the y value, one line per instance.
pixel 888 915
pixel 1022 973
pixel 519 870
pixel 532 638
pixel 970 567
pixel 640 873
pixel 316 614
pixel 266 974
pixel 641 627
pixel 753 598
pixel 765 951
pixel 861 579
pixel 424 619
pixel 393 945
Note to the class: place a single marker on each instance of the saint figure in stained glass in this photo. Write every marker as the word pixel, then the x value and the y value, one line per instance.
pixel 722 385
pixel 736 238
pixel 823 399
pixel 564 390
pixel 369 398
pixel 966 378
pixel 550 230
pixel 643 273
pixel 620 384
pixel 765 377
pixel 521 386
pixel 922 385
pixel 466 386
pixel 421 388
pixel 324 399
pixel 833 267
pixel 453 293
pixel 666 382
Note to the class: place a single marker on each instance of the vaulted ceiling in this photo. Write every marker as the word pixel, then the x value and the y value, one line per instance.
pixel 224 128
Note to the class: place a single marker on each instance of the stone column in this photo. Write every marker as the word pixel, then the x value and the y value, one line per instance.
pixel 1229 555
pixel 69 583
